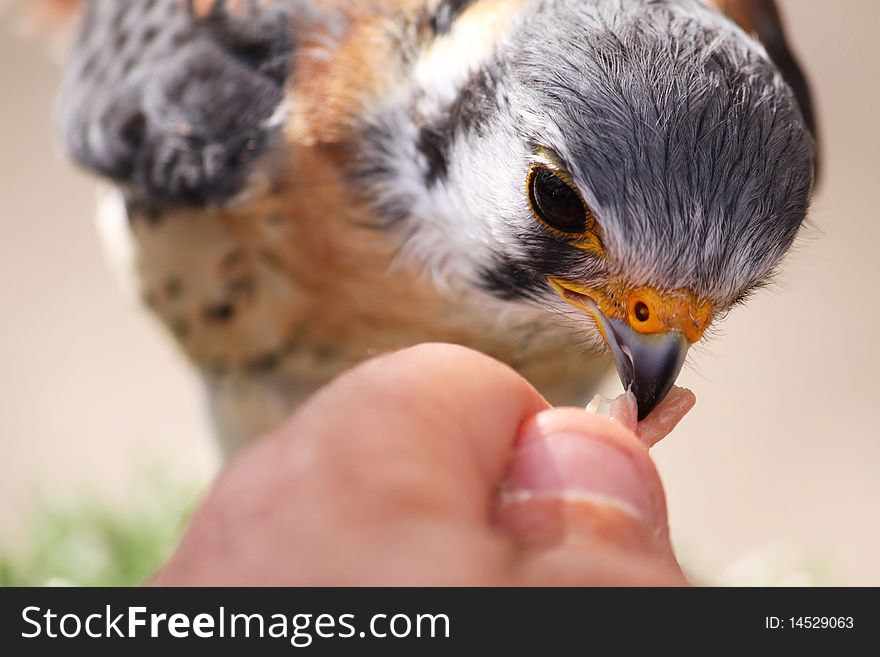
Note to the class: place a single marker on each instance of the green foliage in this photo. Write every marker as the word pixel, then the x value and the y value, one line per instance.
pixel 94 543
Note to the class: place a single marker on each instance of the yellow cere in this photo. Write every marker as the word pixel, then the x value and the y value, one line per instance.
pixel 646 309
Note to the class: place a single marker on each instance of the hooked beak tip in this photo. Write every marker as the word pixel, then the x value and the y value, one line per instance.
pixel 648 364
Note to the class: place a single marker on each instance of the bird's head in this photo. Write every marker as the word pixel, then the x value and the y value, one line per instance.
pixel 635 167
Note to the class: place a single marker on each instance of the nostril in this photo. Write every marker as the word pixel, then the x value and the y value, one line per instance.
pixel 642 312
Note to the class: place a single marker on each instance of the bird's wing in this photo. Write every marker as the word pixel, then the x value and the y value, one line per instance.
pixel 174 99
pixel 183 105
pixel 763 20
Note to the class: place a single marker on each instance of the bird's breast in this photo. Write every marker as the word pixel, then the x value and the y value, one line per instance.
pixel 282 292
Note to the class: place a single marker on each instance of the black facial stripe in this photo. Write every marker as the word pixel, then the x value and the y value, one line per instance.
pixel 434 145
pixel 525 278
pixel 471 111
pixel 510 281
pixel 477 103
pixel 441 20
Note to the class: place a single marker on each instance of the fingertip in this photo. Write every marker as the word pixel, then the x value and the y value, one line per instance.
pixel 579 478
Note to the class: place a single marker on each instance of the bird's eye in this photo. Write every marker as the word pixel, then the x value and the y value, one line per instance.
pixel 556 203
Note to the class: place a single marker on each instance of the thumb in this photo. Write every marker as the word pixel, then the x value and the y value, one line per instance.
pixel 583 503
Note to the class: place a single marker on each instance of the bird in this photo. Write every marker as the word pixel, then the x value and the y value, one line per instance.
pixel 569 186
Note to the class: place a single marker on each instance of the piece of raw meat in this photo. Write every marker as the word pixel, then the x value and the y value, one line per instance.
pixel 658 424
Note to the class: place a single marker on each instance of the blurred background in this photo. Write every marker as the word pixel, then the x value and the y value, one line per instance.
pixel 773 478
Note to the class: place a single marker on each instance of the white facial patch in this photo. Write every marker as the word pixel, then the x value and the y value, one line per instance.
pixel 445 237
pixel 448 63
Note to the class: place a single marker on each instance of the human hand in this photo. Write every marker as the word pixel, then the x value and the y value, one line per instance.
pixel 433 466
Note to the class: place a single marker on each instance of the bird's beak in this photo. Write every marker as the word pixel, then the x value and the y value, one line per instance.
pixel 648 364
pixel 648 333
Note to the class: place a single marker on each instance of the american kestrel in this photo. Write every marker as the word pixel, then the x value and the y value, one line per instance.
pixel 302 184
